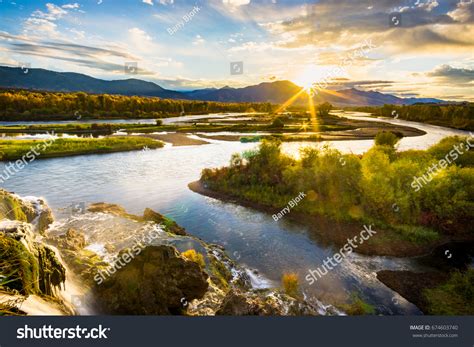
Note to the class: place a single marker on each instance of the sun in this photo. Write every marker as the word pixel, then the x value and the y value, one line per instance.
pixel 310 75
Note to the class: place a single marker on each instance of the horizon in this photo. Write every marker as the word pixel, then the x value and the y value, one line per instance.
pixel 218 88
pixel 188 45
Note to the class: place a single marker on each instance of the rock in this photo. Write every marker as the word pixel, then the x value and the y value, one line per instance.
pixel 411 285
pixel 32 210
pixel 30 266
pixel 237 304
pixel 157 281
pixel 263 303
pixel 45 218
pixel 114 209
pixel 148 216
pixel 170 225
pixel 13 208
pixel 72 240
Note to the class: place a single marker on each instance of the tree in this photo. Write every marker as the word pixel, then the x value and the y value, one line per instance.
pixel 386 138
pixel 277 123
pixel 324 109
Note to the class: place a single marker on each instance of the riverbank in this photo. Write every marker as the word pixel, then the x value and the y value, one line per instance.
pixel 28 150
pixel 386 243
pixel 374 188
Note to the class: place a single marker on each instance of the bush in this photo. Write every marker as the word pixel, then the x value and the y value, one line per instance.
pixel 194 256
pixel 277 123
pixel 386 138
pixel 324 109
pixel 290 284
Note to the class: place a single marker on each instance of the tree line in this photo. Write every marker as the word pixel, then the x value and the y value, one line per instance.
pixel 459 116
pixel 39 105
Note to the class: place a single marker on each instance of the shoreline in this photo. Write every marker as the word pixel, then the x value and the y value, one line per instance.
pixel 340 230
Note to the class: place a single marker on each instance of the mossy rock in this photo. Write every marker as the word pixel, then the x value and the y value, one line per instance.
pixel 29 271
pixel 11 207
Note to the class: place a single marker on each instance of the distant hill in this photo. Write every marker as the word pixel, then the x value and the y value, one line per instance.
pixel 41 79
pixel 274 92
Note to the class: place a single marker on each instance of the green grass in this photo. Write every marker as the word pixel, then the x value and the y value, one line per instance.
pixel 78 128
pixel 358 306
pixel 455 297
pixel 18 149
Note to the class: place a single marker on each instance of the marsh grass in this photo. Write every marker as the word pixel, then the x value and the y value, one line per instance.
pixel 16 149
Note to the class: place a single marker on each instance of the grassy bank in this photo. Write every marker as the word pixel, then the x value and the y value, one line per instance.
pixel 18 149
pixel 375 188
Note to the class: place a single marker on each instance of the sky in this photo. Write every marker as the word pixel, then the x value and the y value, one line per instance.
pixel 410 48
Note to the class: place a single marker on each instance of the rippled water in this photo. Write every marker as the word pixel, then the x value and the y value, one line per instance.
pixel 158 179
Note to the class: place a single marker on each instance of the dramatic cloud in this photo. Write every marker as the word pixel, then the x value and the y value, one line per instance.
pixel 428 54
pixel 449 74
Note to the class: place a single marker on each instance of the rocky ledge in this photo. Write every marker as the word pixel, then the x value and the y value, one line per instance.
pixel 163 270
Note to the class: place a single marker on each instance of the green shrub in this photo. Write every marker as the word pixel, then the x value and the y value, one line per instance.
pixel 194 256
pixel 386 138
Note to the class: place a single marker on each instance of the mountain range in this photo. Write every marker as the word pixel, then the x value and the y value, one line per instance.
pixel 274 92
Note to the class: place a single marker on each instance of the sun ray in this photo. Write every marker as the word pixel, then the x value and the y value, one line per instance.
pixel 290 101
pixel 312 112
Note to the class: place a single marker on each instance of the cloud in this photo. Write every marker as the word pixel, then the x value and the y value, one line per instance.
pixel 161 2
pixel 139 34
pixel 448 74
pixel 105 59
pixel 344 83
pixel 330 24
pixel 236 2
pixel 71 6
pixel 198 40
pixel 53 12
pixel 464 12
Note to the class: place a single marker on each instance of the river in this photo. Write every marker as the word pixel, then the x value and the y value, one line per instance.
pixel 158 179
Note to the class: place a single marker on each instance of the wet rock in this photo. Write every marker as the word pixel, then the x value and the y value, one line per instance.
pixel 13 208
pixel 30 266
pixel 148 216
pixel 31 210
pixel 45 218
pixel 170 225
pixel 72 240
pixel 263 303
pixel 114 209
pixel 158 281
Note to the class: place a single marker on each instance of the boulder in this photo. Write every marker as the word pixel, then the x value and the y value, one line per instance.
pixel 263 303
pixel 157 281
pixel 72 240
